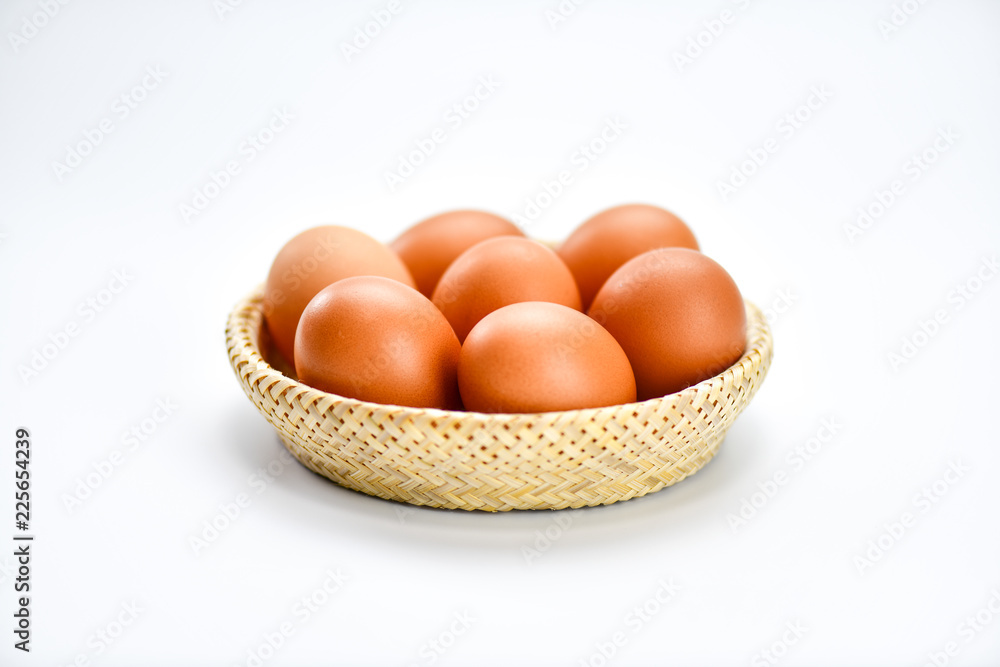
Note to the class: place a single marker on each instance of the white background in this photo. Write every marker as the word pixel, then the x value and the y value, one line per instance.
pixel 900 426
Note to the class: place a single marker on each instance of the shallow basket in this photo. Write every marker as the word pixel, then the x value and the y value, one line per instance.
pixel 496 462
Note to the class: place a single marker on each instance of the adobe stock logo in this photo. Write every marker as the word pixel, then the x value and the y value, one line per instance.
pixel 224 7
pixel 270 643
pixel 104 637
pixel 249 149
pixel 562 12
pixel 912 170
pixel 928 328
pixel 88 310
pixel 229 512
pixel 544 540
pixel 459 113
pixel 364 35
pixel 794 631
pixel 585 155
pixel 102 470
pixel 785 129
pixel 32 25
pixel 899 17
pixel 971 627
pixel 923 502
pixel 712 29
pixel 632 624
pixel 123 106
pixel 434 648
pixel 795 461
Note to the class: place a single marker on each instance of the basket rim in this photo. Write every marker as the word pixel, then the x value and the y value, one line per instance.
pixel 758 351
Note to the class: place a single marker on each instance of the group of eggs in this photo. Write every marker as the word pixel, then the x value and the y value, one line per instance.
pixel 462 311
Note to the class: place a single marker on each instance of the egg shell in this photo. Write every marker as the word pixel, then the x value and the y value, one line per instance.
pixel 312 260
pixel 376 339
pixel 498 272
pixel 430 246
pixel 678 315
pixel 602 244
pixel 542 357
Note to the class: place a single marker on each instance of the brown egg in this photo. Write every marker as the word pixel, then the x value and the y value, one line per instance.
pixel 429 247
pixel 603 243
pixel 311 261
pixel 677 314
pixel 375 339
pixel 498 272
pixel 542 357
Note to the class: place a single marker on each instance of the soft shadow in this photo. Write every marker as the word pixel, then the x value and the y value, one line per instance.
pixel 311 502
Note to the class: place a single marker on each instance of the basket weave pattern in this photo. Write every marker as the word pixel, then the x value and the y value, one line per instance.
pixel 474 461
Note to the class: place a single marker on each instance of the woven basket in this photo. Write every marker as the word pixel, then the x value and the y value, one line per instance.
pixel 495 462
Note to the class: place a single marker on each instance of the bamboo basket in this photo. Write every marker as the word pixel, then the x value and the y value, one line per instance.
pixel 495 462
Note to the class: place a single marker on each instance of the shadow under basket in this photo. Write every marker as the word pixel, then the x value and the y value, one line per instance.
pixel 495 462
